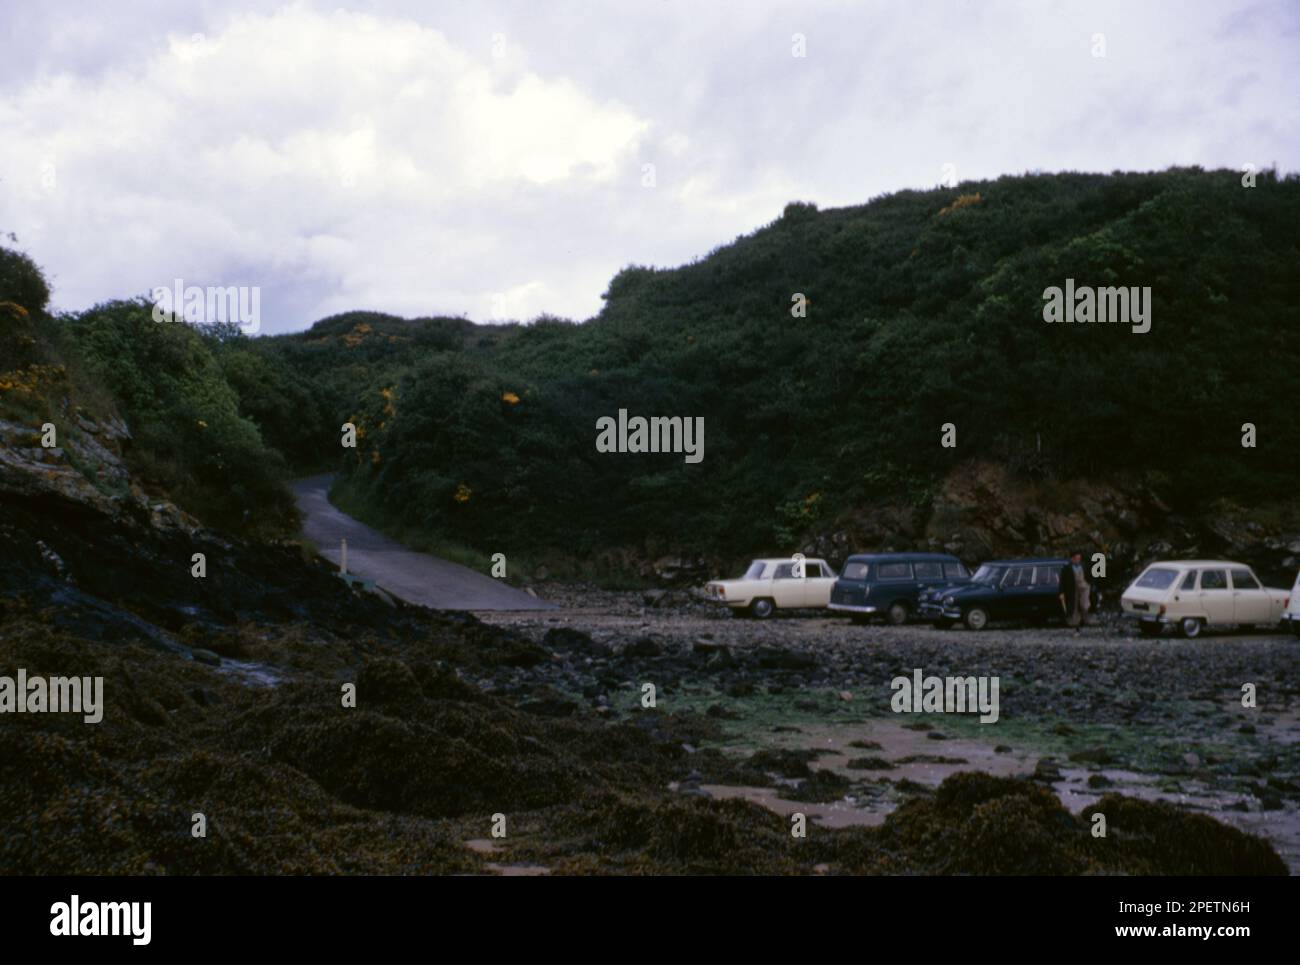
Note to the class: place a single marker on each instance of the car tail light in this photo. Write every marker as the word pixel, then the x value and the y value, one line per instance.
pixel 721 591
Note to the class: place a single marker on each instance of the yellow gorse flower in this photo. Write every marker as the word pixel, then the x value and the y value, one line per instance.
pixel 965 201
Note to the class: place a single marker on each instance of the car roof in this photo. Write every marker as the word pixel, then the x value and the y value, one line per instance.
pixel 1198 563
pixel 1028 561
pixel 902 557
pixel 785 559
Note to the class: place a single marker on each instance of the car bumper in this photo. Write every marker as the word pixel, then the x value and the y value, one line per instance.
pixel 1142 616
pixel 937 611
pixel 852 608
pixel 1291 619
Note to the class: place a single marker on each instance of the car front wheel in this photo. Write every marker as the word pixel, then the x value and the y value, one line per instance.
pixel 762 609
pixel 898 614
pixel 1191 627
pixel 976 618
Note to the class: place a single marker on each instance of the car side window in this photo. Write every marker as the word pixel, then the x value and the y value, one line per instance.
pixel 1214 580
pixel 955 571
pixel 1189 581
pixel 1244 580
pixel 894 571
pixel 1047 575
pixel 784 571
pixel 928 570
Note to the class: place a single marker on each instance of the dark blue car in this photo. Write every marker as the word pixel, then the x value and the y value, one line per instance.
pixel 1025 590
pixel 888 584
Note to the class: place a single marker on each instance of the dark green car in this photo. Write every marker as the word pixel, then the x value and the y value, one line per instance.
pixel 1026 590
pixel 889 585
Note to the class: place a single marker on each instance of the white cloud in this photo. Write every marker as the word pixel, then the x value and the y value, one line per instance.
pixel 422 159
pixel 259 143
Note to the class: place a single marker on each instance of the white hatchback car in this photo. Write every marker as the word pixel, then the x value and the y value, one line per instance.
pixel 1291 615
pixel 775 584
pixel 1194 594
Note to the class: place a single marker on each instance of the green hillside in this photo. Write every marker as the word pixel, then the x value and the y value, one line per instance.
pixel 187 438
pixel 924 307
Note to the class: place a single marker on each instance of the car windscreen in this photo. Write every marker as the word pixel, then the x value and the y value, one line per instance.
pixel 989 574
pixel 1156 578
pixel 854 570
pixel 755 571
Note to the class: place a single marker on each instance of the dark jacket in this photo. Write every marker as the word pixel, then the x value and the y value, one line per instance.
pixel 1069 588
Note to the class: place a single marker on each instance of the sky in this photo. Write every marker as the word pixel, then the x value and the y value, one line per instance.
pixel 503 160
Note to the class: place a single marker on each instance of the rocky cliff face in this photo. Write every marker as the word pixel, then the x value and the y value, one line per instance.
pixel 983 511
pixel 85 470
pixel 113 562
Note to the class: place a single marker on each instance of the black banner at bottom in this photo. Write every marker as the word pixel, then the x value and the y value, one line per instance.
pixel 333 915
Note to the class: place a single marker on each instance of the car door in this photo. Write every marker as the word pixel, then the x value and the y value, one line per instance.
pixel 1250 602
pixel 1215 596
pixel 1047 592
pixel 817 586
pixel 787 589
pixel 895 581
pixel 1015 599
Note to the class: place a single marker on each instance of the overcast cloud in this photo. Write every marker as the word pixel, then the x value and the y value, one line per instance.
pixel 489 159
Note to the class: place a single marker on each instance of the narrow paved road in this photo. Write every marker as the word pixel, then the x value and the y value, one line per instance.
pixel 414 577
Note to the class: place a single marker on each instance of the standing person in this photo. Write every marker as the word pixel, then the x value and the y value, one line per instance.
pixel 1076 592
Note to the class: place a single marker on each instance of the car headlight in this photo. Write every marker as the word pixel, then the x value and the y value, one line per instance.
pixel 947 601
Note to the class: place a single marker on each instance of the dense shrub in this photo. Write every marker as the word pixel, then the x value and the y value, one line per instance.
pixel 924 307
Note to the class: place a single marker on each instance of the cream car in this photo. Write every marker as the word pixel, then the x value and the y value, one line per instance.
pixel 1291 615
pixel 775 584
pixel 1194 594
